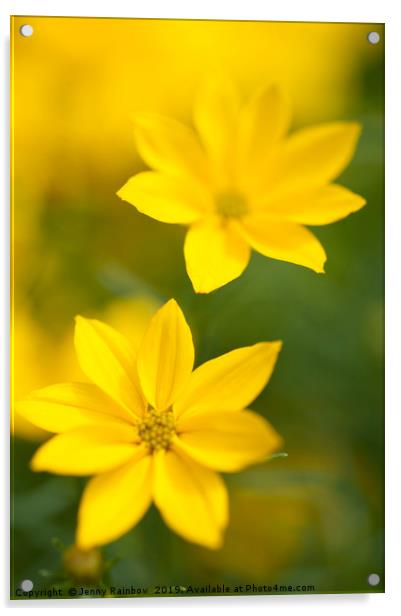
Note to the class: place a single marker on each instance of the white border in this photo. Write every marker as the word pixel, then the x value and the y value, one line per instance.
pixel 367 11
pixel 286 10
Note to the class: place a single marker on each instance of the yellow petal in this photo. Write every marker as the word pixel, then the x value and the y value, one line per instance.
pixel 229 382
pixel 166 198
pixel 166 356
pixel 315 207
pixel 86 451
pixel 108 360
pixel 191 498
pixel 216 111
pixel 215 253
pixel 67 406
pixel 169 146
pixel 263 121
pixel 226 441
pixel 314 156
pixel 286 241
pixel 112 503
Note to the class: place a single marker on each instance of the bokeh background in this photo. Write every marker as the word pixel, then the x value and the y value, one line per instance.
pixel 315 517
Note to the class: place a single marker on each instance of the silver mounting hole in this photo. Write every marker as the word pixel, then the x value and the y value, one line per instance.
pixel 26 30
pixel 373 579
pixel 26 585
pixel 374 38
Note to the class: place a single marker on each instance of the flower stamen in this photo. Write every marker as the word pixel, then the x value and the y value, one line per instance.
pixel 231 205
pixel 156 430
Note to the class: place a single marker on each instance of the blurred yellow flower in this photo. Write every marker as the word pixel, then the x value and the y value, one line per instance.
pixel 240 183
pixel 152 429
pixel 37 360
pixel 62 141
pixel 40 359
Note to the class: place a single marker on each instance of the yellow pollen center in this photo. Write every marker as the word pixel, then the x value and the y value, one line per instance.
pixel 157 429
pixel 231 205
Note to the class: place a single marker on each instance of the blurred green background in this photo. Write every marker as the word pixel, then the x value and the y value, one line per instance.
pixel 315 517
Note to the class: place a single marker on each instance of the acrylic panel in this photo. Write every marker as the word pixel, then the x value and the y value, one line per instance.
pixel 197 307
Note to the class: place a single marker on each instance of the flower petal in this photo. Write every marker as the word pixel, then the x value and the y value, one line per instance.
pixel 86 451
pixel 166 356
pixel 286 241
pixel 113 502
pixel 166 198
pixel 215 253
pixel 67 406
pixel 216 112
pixel 263 121
pixel 314 156
pixel 226 441
pixel 169 146
pixel 229 382
pixel 108 360
pixel 191 498
pixel 315 207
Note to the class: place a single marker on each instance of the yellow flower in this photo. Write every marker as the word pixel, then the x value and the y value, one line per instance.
pixel 241 183
pixel 150 428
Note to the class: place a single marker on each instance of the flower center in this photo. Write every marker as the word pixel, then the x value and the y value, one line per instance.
pixel 231 205
pixel 157 429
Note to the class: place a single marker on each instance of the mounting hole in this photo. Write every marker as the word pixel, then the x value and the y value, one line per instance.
pixel 26 585
pixel 374 38
pixel 373 579
pixel 26 30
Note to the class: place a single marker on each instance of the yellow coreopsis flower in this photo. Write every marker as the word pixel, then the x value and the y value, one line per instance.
pixel 150 428
pixel 239 182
